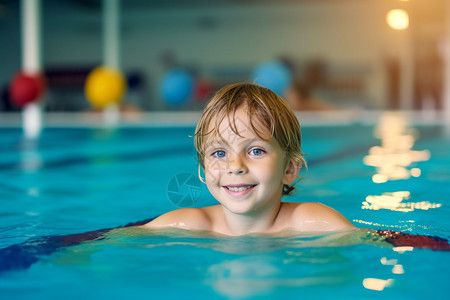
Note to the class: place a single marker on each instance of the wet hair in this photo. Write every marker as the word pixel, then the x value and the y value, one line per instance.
pixel 263 107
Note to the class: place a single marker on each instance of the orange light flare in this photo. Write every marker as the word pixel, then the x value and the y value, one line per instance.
pixel 397 19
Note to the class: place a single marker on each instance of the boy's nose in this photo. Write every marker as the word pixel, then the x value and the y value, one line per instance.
pixel 236 166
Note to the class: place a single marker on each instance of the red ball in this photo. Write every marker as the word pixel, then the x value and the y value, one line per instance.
pixel 26 88
pixel 204 89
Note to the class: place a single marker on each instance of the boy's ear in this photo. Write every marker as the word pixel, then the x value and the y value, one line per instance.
pixel 291 172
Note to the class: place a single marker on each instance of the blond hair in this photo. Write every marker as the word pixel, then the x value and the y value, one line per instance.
pixel 268 108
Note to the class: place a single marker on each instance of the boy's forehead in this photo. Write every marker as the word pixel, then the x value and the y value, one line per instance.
pixel 237 127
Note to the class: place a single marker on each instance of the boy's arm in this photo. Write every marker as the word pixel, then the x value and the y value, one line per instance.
pixel 185 218
pixel 319 217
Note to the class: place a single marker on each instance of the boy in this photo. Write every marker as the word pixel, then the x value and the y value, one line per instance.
pixel 249 145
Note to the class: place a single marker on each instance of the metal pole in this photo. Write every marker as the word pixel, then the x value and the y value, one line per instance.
pixel 31 63
pixel 407 70
pixel 111 52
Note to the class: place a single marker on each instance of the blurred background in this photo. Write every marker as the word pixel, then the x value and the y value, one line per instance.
pixel 335 53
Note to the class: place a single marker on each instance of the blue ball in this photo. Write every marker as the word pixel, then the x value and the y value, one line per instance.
pixel 273 75
pixel 176 87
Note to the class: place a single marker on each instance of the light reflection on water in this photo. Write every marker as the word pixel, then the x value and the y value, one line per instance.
pixel 395 155
pixel 394 201
pixel 393 160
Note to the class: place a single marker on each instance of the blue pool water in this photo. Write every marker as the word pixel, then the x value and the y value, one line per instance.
pixel 76 180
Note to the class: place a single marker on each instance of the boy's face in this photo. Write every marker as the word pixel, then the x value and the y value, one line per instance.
pixel 245 173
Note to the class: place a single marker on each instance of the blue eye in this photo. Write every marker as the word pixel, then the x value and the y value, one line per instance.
pixel 256 152
pixel 219 154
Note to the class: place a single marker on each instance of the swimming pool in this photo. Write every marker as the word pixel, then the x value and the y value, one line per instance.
pixel 76 180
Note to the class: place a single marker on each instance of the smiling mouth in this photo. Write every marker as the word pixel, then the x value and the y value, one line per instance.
pixel 240 188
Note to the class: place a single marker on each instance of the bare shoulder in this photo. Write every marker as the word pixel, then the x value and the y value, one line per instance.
pixel 313 216
pixel 185 218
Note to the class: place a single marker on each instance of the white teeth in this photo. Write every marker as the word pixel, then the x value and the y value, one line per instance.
pixel 238 189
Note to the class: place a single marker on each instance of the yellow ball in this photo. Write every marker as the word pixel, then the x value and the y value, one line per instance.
pixel 105 86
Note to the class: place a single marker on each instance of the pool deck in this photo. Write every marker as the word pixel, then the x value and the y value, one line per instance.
pixel 190 118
